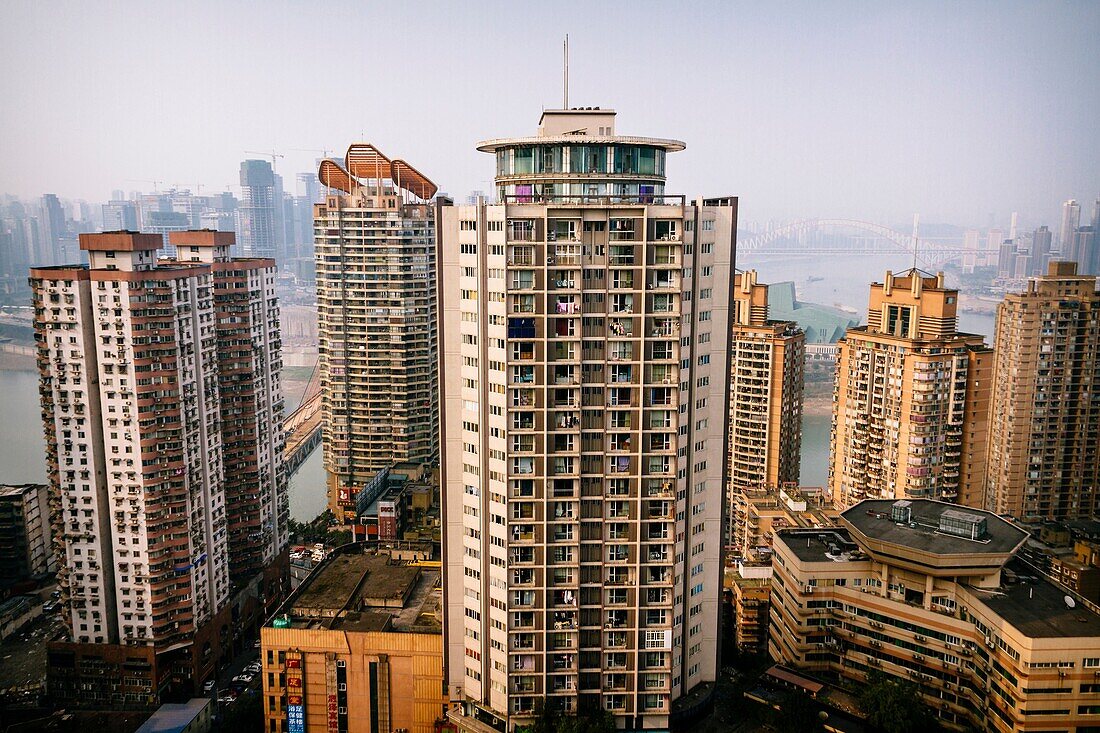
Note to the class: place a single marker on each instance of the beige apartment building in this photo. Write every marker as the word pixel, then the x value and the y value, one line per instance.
pixel 756 514
pixel 765 391
pixel 1045 418
pixel 376 315
pixel 934 593
pixel 911 398
pixel 585 323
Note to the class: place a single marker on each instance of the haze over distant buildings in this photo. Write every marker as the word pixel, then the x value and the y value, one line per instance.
pixel 844 109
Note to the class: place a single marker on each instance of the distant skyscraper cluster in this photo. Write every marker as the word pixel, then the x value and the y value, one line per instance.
pixel 1028 254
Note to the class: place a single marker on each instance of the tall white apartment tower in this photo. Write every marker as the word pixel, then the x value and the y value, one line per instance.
pixel 127 352
pixel 584 365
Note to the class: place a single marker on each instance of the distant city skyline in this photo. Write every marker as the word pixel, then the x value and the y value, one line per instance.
pixel 956 112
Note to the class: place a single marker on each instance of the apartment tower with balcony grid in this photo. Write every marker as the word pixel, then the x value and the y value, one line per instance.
pixel 585 327
pixel 249 353
pixel 154 499
pixel 129 389
pixel 376 313
pixel 911 399
pixel 1045 406
pixel 766 381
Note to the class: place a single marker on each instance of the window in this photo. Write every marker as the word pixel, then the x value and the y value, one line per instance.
pixel 467 225
pixel 898 320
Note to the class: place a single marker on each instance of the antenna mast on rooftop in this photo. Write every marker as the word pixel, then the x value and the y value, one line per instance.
pixel 565 101
pixel 916 238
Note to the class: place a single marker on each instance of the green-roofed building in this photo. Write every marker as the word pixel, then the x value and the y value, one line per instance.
pixel 823 324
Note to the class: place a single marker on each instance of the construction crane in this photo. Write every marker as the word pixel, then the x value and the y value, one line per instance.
pixel 143 180
pixel 198 187
pixel 270 154
pixel 324 153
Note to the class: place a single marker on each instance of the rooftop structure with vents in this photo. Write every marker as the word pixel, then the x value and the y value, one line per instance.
pixel 934 537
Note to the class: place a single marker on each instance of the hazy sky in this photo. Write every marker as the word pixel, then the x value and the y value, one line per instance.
pixel 862 109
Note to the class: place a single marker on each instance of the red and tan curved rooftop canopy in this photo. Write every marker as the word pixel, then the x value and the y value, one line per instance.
pixel 333 176
pixel 363 160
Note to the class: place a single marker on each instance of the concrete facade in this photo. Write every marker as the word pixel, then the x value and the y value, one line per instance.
pixel 26 544
pixel 376 314
pixel 1045 418
pixel 136 421
pixel 358 648
pixel 933 593
pixel 911 398
pixel 585 323
pixel 766 382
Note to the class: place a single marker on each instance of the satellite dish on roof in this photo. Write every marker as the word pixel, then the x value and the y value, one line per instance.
pixel 1070 603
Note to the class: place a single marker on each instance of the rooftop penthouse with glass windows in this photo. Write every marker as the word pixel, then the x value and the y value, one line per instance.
pixel 577 157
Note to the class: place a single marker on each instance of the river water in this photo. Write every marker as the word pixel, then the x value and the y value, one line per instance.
pixel 23 446
pixel 844 281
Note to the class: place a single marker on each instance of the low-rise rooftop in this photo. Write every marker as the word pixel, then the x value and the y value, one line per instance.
pixel 820 545
pixel 361 589
pixel 933 527
pixel 1038 607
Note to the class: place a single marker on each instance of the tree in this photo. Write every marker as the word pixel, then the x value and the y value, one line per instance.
pixel 549 718
pixel 798 712
pixel 339 537
pixel 895 706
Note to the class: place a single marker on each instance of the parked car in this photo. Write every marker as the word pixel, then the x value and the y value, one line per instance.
pixel 254 667
pixel 245 678
pixel 208 686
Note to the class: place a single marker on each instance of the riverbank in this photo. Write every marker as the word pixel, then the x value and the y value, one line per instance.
pixel 817 398
pixel 11 362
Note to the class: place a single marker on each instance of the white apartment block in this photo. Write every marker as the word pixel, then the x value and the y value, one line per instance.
pixel 249 353
pixel 129 388
pixel 584 364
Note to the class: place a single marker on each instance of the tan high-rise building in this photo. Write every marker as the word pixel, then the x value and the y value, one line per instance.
pixel 376 313
pixel 911 399
pixel 146 378
pixel 765 391
pixel 585 343
pixel 1044 435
